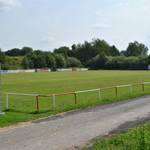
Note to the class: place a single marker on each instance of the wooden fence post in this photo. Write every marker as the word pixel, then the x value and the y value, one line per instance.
pixel 37 103
pixel 143 87
pixel 116 91
pixel 75 98
pixel 54 101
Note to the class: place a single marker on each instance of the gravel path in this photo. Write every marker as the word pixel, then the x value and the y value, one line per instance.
pixel 73 129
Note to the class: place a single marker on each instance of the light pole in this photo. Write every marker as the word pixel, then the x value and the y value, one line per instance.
pixel 1 113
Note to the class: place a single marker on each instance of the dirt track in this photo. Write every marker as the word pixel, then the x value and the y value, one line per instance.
pixel 74 129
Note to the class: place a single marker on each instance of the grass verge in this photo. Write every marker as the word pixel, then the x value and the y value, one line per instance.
pixel 134 139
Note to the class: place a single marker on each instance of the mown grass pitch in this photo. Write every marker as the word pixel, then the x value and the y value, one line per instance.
pixel 23 108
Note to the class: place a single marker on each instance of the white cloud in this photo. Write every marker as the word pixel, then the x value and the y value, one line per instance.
pixel 8 4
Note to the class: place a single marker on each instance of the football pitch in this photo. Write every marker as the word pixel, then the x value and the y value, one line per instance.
pixel 23 108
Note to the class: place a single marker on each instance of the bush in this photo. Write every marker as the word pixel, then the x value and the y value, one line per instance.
pixel 130 63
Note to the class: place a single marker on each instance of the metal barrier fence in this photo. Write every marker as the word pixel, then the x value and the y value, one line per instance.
pixel 53 96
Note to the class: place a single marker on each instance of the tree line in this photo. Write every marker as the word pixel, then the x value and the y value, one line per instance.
pixel 97 54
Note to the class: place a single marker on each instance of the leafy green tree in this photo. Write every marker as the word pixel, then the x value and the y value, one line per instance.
pixel 136 49
pixel 102 46
pixel 98 62
pixel 84 52
pixel 26 50
pixel 3 61
pixel 19 52
pixel 65 51
pixel 73 50
pixel 114 51
pixel 73 62
pixel 60 61
pixel 2 56
pixel 39 59
pixel 27 63
pixel 51 62
pixel 13 52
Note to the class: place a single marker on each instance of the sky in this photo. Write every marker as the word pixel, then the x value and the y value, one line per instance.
pixel 49 24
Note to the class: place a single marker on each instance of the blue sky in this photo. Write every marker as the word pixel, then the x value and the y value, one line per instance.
pixel 49 24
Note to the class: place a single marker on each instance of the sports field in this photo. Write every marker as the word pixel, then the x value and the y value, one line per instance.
pixel 24 108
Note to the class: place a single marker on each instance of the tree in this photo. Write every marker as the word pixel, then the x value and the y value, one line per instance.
pixel 2 56
pixel 84 52
pixel 102 46
pixel 73 62
pixel 27 63
pixel 19 52
pixel 73 50
pixel 136 49
pixel 60 61
pixel 3 60
pixel 38 58
pixel 13 52
pixel 51 62
pixel 65 51
pixel 26 50
pixel 98 62
pixel 114 51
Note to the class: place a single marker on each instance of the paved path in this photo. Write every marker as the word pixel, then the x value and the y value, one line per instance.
pixel 73 129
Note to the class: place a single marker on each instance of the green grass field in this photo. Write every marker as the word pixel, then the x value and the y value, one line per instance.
pixel 135 139
pixel 23 108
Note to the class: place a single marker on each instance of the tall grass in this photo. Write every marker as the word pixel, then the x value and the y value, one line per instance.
pixel 135 139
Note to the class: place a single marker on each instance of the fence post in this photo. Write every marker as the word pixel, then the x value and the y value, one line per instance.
pixel 116 91
pixel 7 101
pixel 54 101
pixel 75 98
pixel 50 101
pixel 37 103
pixel 143 87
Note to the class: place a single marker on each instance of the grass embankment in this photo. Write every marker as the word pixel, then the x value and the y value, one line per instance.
pixel 135 139
pixel 23 108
